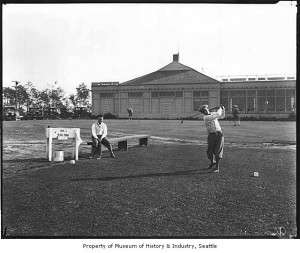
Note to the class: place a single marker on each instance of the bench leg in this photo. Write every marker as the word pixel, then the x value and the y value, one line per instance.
pixel 143 141
pixel 122 145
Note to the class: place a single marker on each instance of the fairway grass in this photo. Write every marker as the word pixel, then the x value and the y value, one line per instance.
pixel 163 190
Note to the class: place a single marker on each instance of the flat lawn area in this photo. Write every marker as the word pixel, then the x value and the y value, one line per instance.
pixel 163 190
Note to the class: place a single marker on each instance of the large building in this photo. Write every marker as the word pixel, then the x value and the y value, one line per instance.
pixel 177 91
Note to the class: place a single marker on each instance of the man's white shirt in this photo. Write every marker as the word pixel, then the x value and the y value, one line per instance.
pixel 211 121
pixel 99 129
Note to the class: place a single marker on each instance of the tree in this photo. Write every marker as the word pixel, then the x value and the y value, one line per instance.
pixel 22 95
pixel 29 87
pixel 18 94
pixel 28 95
pixel 73 99
pixel 35 96
pixel 83 94
pixel 44 97
pixel 9 95
pixel 57 96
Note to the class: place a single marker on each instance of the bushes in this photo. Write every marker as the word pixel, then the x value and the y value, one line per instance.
pixel 109 115
pixel 292 116
pixel 94 116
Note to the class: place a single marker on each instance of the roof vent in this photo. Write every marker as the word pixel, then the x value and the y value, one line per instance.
pixel 176 57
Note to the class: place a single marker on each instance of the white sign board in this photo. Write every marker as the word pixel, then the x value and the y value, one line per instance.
pixel 62 134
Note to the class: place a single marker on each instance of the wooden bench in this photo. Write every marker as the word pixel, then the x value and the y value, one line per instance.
pixel 122 141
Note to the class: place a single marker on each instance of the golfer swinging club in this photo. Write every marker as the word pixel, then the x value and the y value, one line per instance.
pixel 215 139
pixel 130 112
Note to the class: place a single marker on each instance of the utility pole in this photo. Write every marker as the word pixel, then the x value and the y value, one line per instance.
pixel 17 82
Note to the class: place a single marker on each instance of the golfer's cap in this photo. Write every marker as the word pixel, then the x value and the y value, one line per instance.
pixel 235 106
pixel 203 107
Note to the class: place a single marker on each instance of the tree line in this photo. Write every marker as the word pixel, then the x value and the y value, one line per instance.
pixel 26 96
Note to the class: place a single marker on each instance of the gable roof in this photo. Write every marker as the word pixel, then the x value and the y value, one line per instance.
pixel 173 73
pixel 175 65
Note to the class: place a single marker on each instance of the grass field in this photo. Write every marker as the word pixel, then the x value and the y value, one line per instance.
pixel 163 190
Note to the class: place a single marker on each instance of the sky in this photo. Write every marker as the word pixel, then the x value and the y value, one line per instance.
pixel 65 45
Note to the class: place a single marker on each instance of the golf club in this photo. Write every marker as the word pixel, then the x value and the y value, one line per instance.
pixel 191 116
pixel 217 107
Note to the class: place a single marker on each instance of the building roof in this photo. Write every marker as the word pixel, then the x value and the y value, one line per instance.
pixel 173 73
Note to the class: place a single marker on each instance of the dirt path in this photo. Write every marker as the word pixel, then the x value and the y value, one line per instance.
pixel 35 149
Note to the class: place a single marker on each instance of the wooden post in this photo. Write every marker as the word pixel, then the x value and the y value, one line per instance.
pixel 50 148
pixel 48 144
pixel 77 142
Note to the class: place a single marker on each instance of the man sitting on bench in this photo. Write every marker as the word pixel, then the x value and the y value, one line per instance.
pixel 99 132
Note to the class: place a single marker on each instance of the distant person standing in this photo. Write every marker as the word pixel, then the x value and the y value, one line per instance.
pixel 130 112
pixel 215 139
pixel 99 133
pixel 236 116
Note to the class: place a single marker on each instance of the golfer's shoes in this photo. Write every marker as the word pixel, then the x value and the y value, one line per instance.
pixel 211 165
pixel 216 170
pixel 98 158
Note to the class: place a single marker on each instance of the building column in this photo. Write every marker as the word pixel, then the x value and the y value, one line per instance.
pixel 246 107
pixel 285 111
pixel 119 102
pixel 150 109
pixel 255 109
pixel 275 100
pixel 183 111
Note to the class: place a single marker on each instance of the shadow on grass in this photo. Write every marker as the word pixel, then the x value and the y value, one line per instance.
pixel 43 160
pixel 33 160
pixel 176 173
